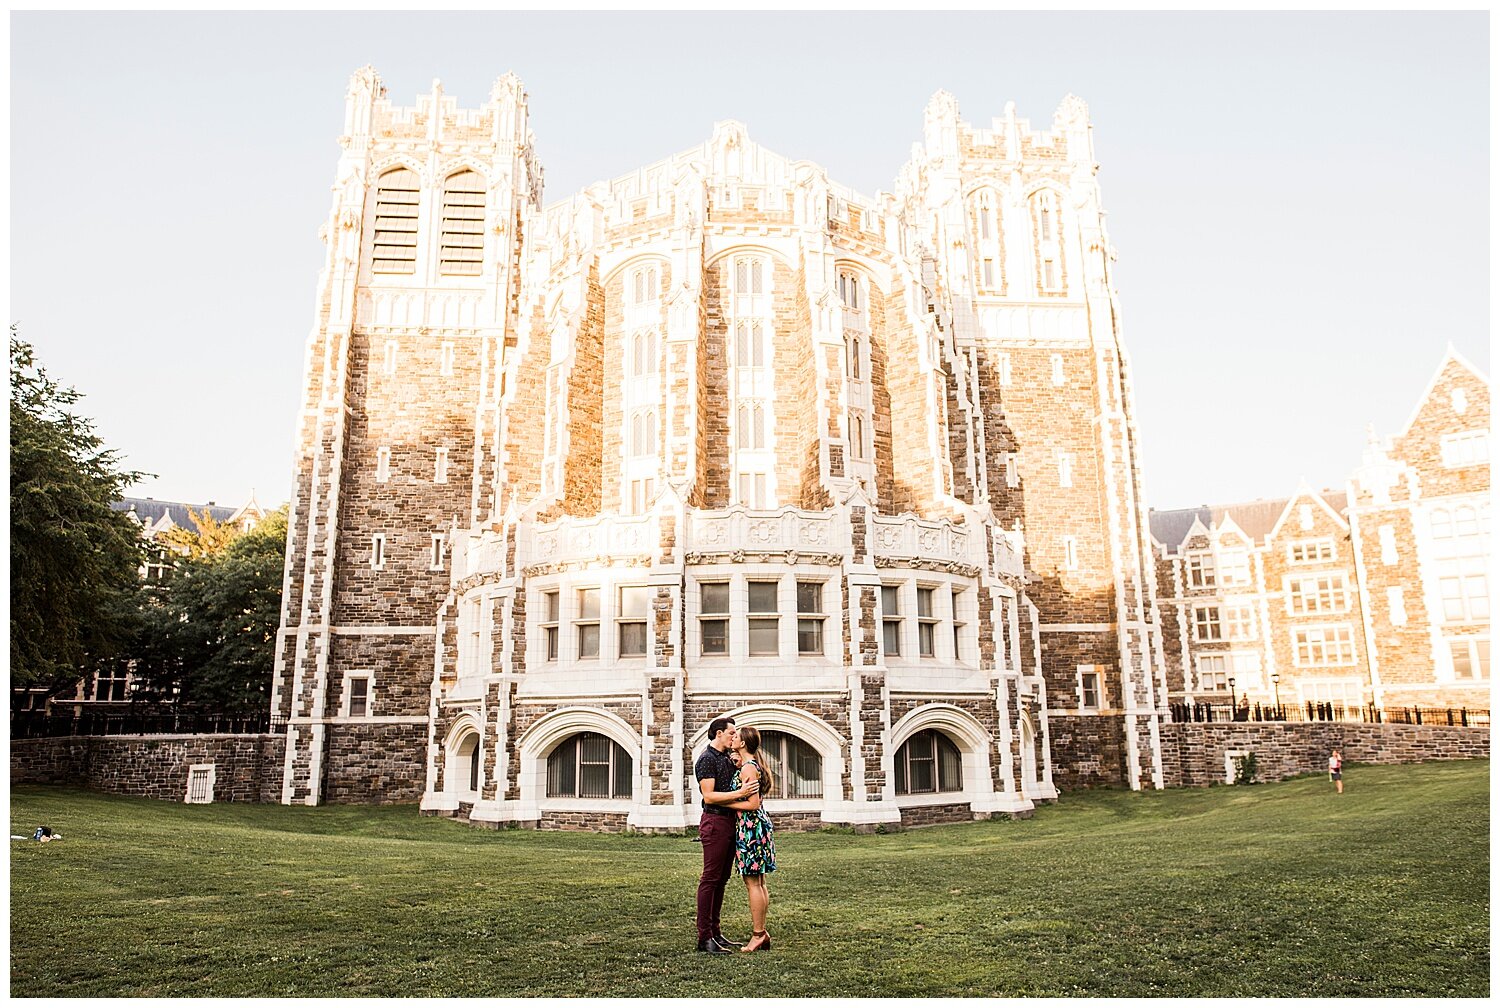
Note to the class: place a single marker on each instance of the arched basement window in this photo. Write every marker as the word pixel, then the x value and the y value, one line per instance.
pixel 928 763
pixel 795 766
pixel 589 765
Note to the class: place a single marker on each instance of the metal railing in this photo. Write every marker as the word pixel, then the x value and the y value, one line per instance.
pixel 1458 717
pixel 56 723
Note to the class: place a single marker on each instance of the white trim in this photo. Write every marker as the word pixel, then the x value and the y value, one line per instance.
pixel 212 771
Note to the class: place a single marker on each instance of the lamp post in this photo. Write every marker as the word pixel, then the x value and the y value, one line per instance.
pixel 1276 686
pixel 1232 705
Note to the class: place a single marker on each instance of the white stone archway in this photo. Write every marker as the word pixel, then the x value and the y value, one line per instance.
pixel 810 728
pixel 974 743
pixel 537 743
pixel 1030 781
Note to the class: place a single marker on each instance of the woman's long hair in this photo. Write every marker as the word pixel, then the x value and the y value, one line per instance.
pixel 751 738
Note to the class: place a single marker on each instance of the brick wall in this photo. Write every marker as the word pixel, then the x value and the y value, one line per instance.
pixel 247 767
pixel 1193 754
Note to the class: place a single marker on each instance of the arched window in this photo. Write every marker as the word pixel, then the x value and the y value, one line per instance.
pixel 751 429
pixel 643 433
pixel 589 765
pixel 749 344
pixel 984 212
pixel 989 254
pixel 462 244
pixel 794 765
pixel 849 290
pixel 1442 524
pixel 928 763
pixel 643 360
pixel 645 285
pixel 463 767
pixel 397 194
pixel 749 276
pixel 474 767
pixel 1047 219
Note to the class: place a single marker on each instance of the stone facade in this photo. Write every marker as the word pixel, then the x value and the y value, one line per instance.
pixel 1377 594
pixel 231 767
pixel 718 436
pixel 1199 754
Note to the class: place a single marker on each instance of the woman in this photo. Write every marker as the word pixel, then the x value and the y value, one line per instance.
pixel 754 849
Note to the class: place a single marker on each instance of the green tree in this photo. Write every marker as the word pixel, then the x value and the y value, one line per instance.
pixel 74 561
pixel 208 636
pixel 210 538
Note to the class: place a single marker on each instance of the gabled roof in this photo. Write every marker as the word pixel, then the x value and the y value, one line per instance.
pixel 1455 357
pixel 1254 518
pixel 150 511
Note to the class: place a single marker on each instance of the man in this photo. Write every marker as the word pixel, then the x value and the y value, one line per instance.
pixel 714 772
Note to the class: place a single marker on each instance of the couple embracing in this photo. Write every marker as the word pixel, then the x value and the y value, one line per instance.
pixel 734 829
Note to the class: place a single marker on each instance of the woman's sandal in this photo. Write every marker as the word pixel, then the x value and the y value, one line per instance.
pixel 757 936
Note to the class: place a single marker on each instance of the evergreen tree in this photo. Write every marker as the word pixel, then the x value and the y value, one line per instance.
pixel 74 561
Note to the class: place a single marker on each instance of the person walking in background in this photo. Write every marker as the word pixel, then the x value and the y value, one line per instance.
pixel 1336 770
pixel 715 773
pixel 754 844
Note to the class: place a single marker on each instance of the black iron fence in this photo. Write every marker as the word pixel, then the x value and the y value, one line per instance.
pixel 55 723
pixel 1312 711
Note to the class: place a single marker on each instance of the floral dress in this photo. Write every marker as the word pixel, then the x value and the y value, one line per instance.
pixel 754 846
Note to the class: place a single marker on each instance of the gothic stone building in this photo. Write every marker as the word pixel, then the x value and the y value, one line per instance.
pixel 718 436
pixel 1375 594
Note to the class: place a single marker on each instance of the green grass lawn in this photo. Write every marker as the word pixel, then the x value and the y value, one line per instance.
pixel 1276 889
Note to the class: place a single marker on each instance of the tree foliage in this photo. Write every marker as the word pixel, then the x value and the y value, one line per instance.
pixel 208 635
pixel 74 561
pixel 211 537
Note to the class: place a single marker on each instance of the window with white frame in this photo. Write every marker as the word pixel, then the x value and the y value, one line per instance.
pixel 1301 551
pixel 1323 645
pixel 1466 449
pixel 377 550
pixel 1317 593
pixel 643 433
pixel 551 623
pixel 1088 690
pixel 1464 585
pixel 1004 368
pixel 1239 622
pixel 1012 473
pixel 1057 369
pixel 1202 572
pixel 989 251
pixel 1304 516
pixel 1396 601
pixel 630 620
pixel 960 603
pixel 750 428
pixel 1442 524
pixel 1471 658
pixel 358 686
pixel 436 557
pixel 1387 537
pixel 1064 469
pixel 753 491
pixel 849 290
pixel 461 246
pixel 398 193
pixel 810 617
pixel 927 622
pixel 390 356
pixel 856 349
pixel 111 682
pixel 382 465
pixel 1233 567
pixel 764 617
pixel 928 763
pixel 890 620
pixel 1461 523
pixel 589 765
pixel 713 617
pixel 446 359
pixel 643 354
pixel 1207 625
pixel 642 493
pixel 749 344
pixel 1070 552
pixel 1045 213
pixel 644 284
pixel 440 465
pixel 857 435
pixel 1213 673
pixel 586 626
pixel 1343 692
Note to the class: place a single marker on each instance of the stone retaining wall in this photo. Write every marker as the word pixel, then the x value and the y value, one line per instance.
pixel 246 767
pixel 1194 754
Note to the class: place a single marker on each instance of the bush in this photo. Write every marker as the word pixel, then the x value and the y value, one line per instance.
pixel 1244 769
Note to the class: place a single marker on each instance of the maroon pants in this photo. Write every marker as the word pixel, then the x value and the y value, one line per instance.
pixel 717 834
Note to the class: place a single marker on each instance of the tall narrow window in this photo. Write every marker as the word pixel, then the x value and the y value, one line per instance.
pixel 890 619
pixel 1057 369
pixel 359 696
pixel 1064 469
pixel 643 360
pixel 382 465
pixel 753 492
pixel 1070 552
pixel 447 360
pixel 1387 536
pixel 645 285
pixel 849 292
pixel 1396 599
pixel 765 622
pixel 643 433
pixel 437 551
pixel 634 605
pixel 926 623
pixel 856 358
pixel 377 551
pixel 462 246
pixel 550 612
pixel 810 617
pixel 1049 274
pixel 397 195
pixel 390 356
pixel 749 344
pixel 587 625
pixel 986 250
pixel 1305 516
pixel 857 436
pixel 713 619
pixel 751 429
pixel 1012 474
pixel 440 466
pixel 1004 366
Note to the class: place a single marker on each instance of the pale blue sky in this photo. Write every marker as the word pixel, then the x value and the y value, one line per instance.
pixel 1300 202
